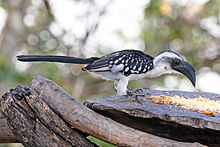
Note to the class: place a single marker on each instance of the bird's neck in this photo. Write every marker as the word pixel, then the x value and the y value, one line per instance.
pixel 160 68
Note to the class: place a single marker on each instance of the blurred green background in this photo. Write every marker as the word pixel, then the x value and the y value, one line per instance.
pixel 94 28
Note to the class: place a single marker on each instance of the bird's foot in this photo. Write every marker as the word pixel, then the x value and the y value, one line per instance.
pixel 130 93
pixel 134 95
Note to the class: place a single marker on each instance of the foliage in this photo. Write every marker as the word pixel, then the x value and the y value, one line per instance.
pixel 99 142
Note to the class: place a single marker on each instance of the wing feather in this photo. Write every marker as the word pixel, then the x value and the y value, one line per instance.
pixel 121 61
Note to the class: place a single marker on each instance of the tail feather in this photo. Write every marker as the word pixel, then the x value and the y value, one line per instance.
pixel 52 58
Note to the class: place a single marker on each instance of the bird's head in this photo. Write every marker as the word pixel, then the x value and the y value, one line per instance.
pixel 168 62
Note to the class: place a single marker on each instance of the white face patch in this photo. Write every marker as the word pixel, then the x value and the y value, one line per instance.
pixel 162 64
pixel 159 70
pixel 163 55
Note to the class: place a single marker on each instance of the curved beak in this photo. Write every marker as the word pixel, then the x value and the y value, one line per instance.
pixel 186 69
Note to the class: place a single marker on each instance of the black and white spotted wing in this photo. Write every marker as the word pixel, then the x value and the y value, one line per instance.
pixel 126 61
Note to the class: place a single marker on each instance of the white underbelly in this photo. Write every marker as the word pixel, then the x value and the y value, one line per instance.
pixel 110 76
pixel 137 76
pixel 116 76
pixel 149 74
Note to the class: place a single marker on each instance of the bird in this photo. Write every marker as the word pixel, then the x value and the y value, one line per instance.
pixel 125 65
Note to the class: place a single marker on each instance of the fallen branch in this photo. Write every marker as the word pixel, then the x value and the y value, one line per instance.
pixel 92 123
pixel 164 120
pixel 45 115
pixel 6 135
pixel 35 124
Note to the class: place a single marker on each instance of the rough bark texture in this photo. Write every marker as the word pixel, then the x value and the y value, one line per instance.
pixel 43 114
pixel 6 135
pixel 86 120
pixel 162 120
pixel 35 124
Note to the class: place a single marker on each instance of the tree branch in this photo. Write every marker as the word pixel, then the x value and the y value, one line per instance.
pixel 34 123
pixel 86 120
pixel 43 114
pixel 6 135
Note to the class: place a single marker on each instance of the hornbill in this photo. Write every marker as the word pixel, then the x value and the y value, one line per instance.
pixel 122 66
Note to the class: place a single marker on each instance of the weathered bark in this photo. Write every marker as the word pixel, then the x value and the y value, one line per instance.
pixel 167 121
pixel 86 120
pixel 6 135
pixel 34 123
pixel 45 115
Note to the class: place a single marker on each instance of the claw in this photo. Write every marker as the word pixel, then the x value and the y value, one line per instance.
pixel 134 95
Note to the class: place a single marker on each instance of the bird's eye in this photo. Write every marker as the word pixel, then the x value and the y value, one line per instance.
pixel 176 63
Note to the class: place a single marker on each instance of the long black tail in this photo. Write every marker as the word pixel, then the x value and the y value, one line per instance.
pixel 52 58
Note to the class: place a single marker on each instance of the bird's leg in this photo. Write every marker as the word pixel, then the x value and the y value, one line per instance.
pixel 122 86
pixel 134 95
pixel 130 93
pixel 115 84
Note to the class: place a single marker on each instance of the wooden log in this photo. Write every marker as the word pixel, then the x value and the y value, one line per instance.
pixel 167 121
pixel 35 124
pixel 6 135
pixel 89 122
